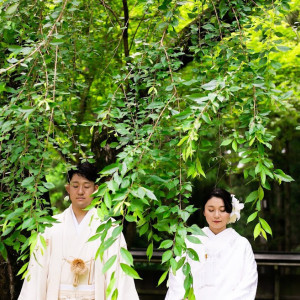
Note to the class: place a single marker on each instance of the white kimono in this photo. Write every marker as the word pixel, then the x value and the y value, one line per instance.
pixel 227 269
pixel 50 276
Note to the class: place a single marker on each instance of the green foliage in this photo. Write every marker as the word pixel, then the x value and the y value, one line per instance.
pixel 175 93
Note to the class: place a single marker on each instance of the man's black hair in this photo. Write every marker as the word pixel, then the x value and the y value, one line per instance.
pixel 86 170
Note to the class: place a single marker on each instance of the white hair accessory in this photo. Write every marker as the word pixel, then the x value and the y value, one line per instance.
pixel 236 209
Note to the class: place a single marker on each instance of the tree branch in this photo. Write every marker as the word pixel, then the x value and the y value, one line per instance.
pixel 112 12
pixel 126 25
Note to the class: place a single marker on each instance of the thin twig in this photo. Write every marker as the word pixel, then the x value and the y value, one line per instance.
pixel 132 40
pixel 240 29
pixel 106 6
pixel 254 101
pixel 46 73
pixel 217 19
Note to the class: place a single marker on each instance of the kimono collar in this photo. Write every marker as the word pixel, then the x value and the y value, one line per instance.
pixel 216 243
pixel 223 234
pixel 85 219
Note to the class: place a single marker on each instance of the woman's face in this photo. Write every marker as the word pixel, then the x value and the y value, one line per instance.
pixel 215 214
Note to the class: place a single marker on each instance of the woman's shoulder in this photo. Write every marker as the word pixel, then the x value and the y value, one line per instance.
pixel 240 239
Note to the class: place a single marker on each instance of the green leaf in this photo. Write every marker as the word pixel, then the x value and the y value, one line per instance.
pixel 110 169
pixel 124 169
pixel 107 243
pixel 183 140
pixel 180 263
pixel 3 251
pixel 12 9
pixel 27 223
pixel 258 205
pixel 173 264
pixel 116 232
pixel 144 229
pixel 257 230
pixel 263 176
pixel 150 194
pixel 187 281
pixel 109 264
pixel 263 61
pixel 94 237
pixel 209 27
pixel 169 88
pixel 191 295
pixel 166 244
pixel 245 160
pixel 192 254
pixel 141 192
pixel 206 118
pixel 111 285
pixel 149 251
pixel 196 230
pixel 166 256
pixel 107 199
pixel 281 176
pixel 23 269
pixel 199 167
pixel 210 85
pixel 127 256
pixel 48 185
pixel 223 8
pixel 162 278
pixel 252 217
pixel 226 142
pixel 27 181
pixel 252 197
pixel 186 269
pixel 264 234
pixel 234 145
pixel 283 48
pixel 115 294
pixel 193 239
pixel 130 271
pixel 260 193
pixel 265 226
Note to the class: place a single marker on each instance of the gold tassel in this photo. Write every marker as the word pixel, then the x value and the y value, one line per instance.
pixel 78 267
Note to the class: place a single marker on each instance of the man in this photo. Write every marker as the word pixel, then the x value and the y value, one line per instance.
pixel 67 268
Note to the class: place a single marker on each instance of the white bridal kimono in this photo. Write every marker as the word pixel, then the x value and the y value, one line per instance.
pixel 50 276
pixel 227 269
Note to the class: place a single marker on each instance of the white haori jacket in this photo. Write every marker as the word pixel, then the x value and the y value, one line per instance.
pixel 49 270
pixel 227 269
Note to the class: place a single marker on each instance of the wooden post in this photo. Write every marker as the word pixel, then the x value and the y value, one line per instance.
pixel 276 282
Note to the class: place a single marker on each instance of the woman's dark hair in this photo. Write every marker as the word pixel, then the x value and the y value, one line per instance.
pixel 86 170
pixel 224 195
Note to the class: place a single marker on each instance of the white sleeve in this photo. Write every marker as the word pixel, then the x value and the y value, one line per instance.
pixel 124 283
pixel 246 288
pixel 35 283
pixel 176 289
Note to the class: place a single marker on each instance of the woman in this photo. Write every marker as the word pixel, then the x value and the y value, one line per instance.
pixel 227 268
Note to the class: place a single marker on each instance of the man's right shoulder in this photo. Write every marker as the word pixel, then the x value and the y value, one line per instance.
pixel 59 220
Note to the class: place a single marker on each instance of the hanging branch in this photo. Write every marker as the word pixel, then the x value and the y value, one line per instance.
pixel 44 42
pixel 126 26
pixel 106 6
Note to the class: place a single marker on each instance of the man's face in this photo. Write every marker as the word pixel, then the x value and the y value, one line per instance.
pixel 80 190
